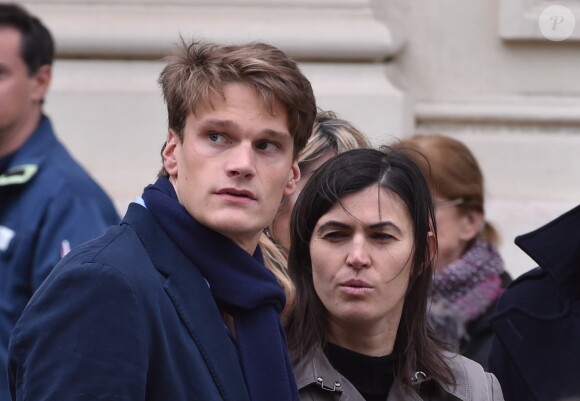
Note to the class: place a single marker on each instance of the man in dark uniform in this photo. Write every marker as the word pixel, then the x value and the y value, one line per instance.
pixel 48 203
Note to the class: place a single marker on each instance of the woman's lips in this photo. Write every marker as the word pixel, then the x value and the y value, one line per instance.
pixel 356 287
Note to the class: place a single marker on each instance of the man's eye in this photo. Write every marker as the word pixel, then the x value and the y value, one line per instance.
pixel 215 137
pixel 267 146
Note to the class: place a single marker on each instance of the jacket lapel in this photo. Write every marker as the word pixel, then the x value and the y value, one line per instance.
pixel 190 294
pixel 554 247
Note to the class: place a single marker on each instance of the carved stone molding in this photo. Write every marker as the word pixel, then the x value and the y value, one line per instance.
pixel 343 30
pixel 519 19
pixel 522 111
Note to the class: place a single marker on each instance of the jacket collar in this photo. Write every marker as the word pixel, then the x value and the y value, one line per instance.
pixel 34 149
pixel 317 371
pixel 190 294
pixel 555 247
pixel 27 160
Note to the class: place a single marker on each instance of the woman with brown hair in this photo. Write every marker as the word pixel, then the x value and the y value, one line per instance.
pixel 469 272
pixel 363 238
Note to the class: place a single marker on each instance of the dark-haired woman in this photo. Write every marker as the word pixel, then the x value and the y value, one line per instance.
pixel 363 240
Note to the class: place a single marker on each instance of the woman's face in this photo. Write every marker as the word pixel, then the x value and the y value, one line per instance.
pixel 361 261
pixel 455 230
pixel 280 227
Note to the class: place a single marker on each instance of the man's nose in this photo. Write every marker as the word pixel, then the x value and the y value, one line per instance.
pixel 241 161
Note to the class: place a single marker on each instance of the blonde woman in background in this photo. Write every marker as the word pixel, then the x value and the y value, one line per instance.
pixel 330 136
pixel 469 272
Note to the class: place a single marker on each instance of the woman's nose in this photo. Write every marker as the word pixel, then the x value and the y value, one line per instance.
pixel 358 256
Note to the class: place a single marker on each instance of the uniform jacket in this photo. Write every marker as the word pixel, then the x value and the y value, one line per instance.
pixel 318 381
pixel 48 204
pixel 125 317
pixel 536 349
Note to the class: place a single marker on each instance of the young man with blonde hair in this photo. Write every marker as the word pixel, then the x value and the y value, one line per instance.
pixel 175 303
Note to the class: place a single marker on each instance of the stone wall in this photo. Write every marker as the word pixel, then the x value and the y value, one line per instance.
pixel 483 72
pixel 478 70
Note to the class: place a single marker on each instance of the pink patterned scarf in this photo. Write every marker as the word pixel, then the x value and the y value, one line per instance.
pixel 464 290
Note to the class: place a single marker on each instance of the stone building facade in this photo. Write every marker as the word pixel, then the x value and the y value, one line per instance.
pixel 481 71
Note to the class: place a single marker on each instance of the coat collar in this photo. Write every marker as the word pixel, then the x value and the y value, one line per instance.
pixel 34 149
pixel 25 163
pixel 191 296
pixel 556 249
pixel 317 371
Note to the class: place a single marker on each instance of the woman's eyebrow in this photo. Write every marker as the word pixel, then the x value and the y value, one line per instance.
pixel 383 224
pixel 332 224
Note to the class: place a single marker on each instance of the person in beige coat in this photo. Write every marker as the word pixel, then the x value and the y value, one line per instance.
pixel 363 237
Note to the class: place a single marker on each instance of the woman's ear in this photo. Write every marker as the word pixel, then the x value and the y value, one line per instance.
pixel 470 225
pixel 432 244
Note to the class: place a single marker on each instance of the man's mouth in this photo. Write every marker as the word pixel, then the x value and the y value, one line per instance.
pixel 238 193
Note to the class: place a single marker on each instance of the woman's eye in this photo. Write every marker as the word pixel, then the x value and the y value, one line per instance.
pixel 333 235
pixel 382 236
pixel 267 146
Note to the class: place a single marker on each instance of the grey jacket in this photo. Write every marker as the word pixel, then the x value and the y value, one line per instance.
pixel 318 381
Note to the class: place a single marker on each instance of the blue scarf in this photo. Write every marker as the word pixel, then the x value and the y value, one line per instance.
pixel 241 286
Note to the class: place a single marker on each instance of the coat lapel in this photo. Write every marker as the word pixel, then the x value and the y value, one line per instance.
pixel 191 296
pixel 555 247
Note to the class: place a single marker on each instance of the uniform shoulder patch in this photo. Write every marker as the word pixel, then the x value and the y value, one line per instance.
pixel 18 175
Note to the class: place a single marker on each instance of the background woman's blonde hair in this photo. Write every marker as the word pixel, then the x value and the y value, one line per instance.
pixel 329 133
pixel 452 172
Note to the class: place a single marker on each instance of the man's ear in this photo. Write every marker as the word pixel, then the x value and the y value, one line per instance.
pixel 293 179
pixel 169 153
pixel 470 225
pixel 40 82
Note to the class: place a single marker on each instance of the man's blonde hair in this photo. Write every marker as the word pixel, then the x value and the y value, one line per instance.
pixel 197 72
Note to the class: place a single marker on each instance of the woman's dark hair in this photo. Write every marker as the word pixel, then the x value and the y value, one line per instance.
pixel 306 323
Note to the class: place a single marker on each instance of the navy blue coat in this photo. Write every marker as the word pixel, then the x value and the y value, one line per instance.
pixel 536 350
pixel 48 204
pixel 125 317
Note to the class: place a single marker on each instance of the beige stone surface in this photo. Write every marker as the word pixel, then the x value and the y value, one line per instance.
pixel 392 67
